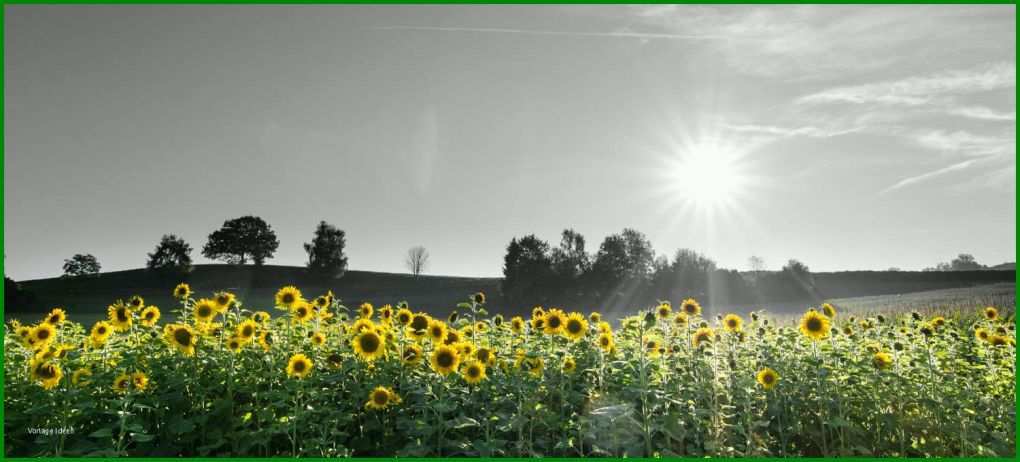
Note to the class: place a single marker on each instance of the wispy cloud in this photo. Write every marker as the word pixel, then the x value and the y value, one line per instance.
pixel 612 34
pixel 965 143
pixel 920 90
pixel 808 131
pixel 929 175
pixel 982 113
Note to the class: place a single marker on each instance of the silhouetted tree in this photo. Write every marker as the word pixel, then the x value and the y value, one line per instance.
pixel 527 269
pixel 240 239
pixel 81 265
pixel 172 254
pixel 326 251
pixel 569 260
pixel 417 260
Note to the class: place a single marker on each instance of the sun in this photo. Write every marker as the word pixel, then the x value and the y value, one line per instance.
pixel 707 175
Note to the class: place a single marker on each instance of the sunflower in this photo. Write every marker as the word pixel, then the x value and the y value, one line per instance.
pixel 365 310
pixel 386 314
pixel 437 331
pixel 246 330
pixel 828 310
pixel 497 320
pixel 663 310
pixel 234 344
pixel 302 312
pixel 452 337
pixel 530 364
pixel 445 359
pixel 848 331
pixel 362 325
pixel 517 324
pixel 122 383
pixel 481 327
pixel 136 302
pixel 368 345
pixel 266 340
pixel 42 335
pixel 926 329
pixel 150 316
pixel 981 334
pixel 419 325
pixel 101 332
pixel 56 316
pixel 473 372
pixel 140 381
pixel 767 378
pixel 467 331
pixel 182 291
pixel 120 316
pixel 701 336
pixel 318 339
pixel 733 323
pixel 569 365
pixel 78 376
pixel 604 328
pixel 680 320
pixel 321 302
pixel 299 366
pixel 261 317
pixel 652 347
pixel 606 341
pixel 381 398
pixel 576 327
pixel 204 310
pixel 999 340
pixel 554 321
pixel 938 321
pixel 466 349
pixel 537 323
pixel 478 298
pixel 486 356
pixel 404 316
pixel 182 337
pixel 47 373
pixel 223 300
pixel 991 313
pixel 412 355
pixel 691 307
pixel 814 325
pixel 881 360
pixel 595 317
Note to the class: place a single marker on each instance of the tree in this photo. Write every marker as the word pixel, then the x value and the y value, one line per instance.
pixel 569 260
pixel 756 263
pixel 417 259
pixel 240 239
pixel 326 251
pixel 527 269
pixel 172 254
pixel 965 262
pixel 81 265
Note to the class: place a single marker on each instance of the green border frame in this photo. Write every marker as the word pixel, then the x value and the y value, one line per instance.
pixel 417 2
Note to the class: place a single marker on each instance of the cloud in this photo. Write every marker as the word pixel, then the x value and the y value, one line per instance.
pixel 965 143
pixel 808 131
pixel 929 175
pixel 614 34
pixel 982 113
pixel 920 90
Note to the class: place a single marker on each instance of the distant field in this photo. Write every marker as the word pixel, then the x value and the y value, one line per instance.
pixel 944 301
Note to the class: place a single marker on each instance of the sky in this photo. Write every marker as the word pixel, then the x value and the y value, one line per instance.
pixel 848 137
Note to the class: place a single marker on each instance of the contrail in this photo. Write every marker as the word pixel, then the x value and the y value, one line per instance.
pixel 639 35
pixel 929 175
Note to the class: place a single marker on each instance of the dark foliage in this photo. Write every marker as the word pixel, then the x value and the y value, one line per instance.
pixel 82 265
pixel 326 251
pixel 171 256
pixel 241 239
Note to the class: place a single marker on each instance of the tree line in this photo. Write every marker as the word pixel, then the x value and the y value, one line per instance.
pixel 625 271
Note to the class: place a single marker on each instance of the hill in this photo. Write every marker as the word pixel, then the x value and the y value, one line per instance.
pixel 256 287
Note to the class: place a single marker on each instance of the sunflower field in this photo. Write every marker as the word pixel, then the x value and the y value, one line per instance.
pixel 313 377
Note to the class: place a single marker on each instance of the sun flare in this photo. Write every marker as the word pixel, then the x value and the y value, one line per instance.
pixel 707 175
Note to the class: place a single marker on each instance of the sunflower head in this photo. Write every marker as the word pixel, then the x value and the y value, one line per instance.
pixel 404 316
pixel 437 331
pixel 386 313
pixel 606 341
pixel 486 356
pixel 181 337
pixel 569 365
pixel 595 317
pixel 136 302
pixel 991 313
pixel 537 312
pixel 318 339
pixel 335 360
pixel 881 360
pixel 42 335
pixel 828 310
pixel 554 321
pixel 368 345
pixel 204 310
pixel 321 302
pixel 664 310
pixel 702 336
pixel 302 312
pixel 266 340
pixel 576 327
pixel 411 355
pixel 653 347
pixel 517 324
pixel 497 320
pixel 680 319
pixel 767 378
pixel 691 307
pixel 938 321
pixel 381 398
pixel 299 366
pixel 452 337
pixel 478 298
pixel 150 315
pixel 79 376
pixel 120 316
pixel 733 323
pixel 445 359
pixel 182 291
pixel 365 310
pixel 814 325
pixel 47 373
pixel 246 330
pixel 224 300
pixel 419 325
pixel 981 334
pixel 101 331
pixel 55 317
pixel 473 372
